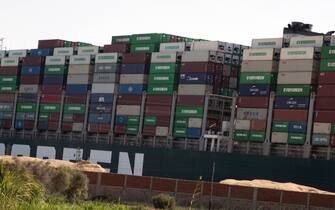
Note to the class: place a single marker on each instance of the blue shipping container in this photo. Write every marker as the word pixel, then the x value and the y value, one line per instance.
pixel 99 118
pixel 196 78
pixel 297 127
pixel 53 79
pixel 31 70
pixel 130 89
pixel 27 97
pixel 19 124
pixel 287 102
pixel 76 89
pixel 193 133
pixel 41 52
pixel 121 120
pixel 254 90
pixel 102 98
pixel 134 69
pixel 100 107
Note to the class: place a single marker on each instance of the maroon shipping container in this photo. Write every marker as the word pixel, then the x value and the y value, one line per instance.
pixel 9 70
pixel 197 67
pixel 93 128
pixel 290 115
pixel 157 110
pixel 187 100
pixel 67 126
pixel 332 140
pixel 120 129
pixel 75 99
pixel 163 121
pixel 326 90
pixel 52 126
pixel 28 124
pixel 31 79
pixel 149 131
pixel 51 98
pixel 324 116
pixel 78 118
pixel 326 78
pixel 325 103
pixel 253 101
pixel 8 97
pixel 6 124
pixel 104 128
pixel 159 100
pixel 50 43
pixel 129 100
pixel 52 89
pixel 33 61
pixel 54 117
pixel 234 71
pixel 258 125
pixel 119 48
pixel 136 58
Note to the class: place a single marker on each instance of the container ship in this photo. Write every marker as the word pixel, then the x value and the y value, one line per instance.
pixel 170 106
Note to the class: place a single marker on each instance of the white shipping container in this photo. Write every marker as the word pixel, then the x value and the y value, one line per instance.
pixel 28 88
pixel 297 53
pixel 251 114
pixel 332 40
pixel 80 69
pixel 306 41
pixel 133 78
pixel 296 78
pixel 267 43
pixel 258 54
pixel 194 122
pixel 20 150
pixel 194 89
pixel 90 50
pixel 164 57
pixel 105 78
pixel 77 126
pixel 279 137
pixel 55 60
pixel 2 149
pixel 172 47
pixel 9 61
pixel 79 79
pixel 242 124
pixel 17 53
pixel 107 58
pixel 259 66
pixel 2 53
pixel 80 59
pixel 162 131
pixel 128 110
pixel 208 45
pixel 322 128
pixel 64 51
pixel 71 154
pixel 199 56
pixel 298 65
pixel 104 88
pixel 44 152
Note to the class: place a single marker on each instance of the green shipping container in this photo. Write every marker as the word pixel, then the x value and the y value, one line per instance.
pixel 55 70
pixel 256 78
pixel 149 38
pixel 121 39
pixel 162 78
pixel 132 129
pixel 256 136
pixel 332 129
pixel 26 107
pixel 241 135
pixel 168 68
pixel 280 126
pixel 4 80
pixel 50 108
pixel 296 138
pixel 179 132
pixel 133 120
pixel 163 89
pixel 327 65
pixel 140 48
pixel 7 88
pixel 74 108
pixel 150 120
pixel 181 122
pixel 328 52
pixel 189 111
pixel 293 90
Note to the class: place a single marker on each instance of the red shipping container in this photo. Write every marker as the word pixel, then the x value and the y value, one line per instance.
pixel 78 118
pixel 51 98
pixel 33 61
pixel 6 124
pixel 163 121
pixel 50 43
pixel 36 79
pixel 187 100
pixel 325 90
pixel 129 100
pixel 234 71
pixel 324 116
pixel 28 124
pixel 332 140
pixel 8 97
pixel 136 58
pixel 54 117
pixel 9 70
pixel 93 128
pixel 120 129
pixel 104 128
pixel 52 89
pixel 325 103
pixel 326 78
pixel 258 125
pixel 119 48
pixel 253 101
pixel 157 110
pixel 75 99
pixel 52 126
pixel 290 115
pixel 149 131
pixel 197 67
pixel 159 100
pixel 67 126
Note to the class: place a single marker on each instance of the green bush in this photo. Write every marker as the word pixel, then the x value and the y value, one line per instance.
pixel 164 201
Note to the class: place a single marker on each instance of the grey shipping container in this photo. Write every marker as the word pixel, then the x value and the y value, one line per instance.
pixel 104 88
pixel 296 78
pixel 105 78
pixel 128 110
pixel 77 126
pixel 80 69
pixel 251 114
pixel 28 88
pixel 164 57
pixel 323 128
pixel 133 78
pixel 279 137
pixel 194 122
pixel 199 56
pixel 259 66
pixel 6 107
pixel 107 68
pixel 80 59
pixel 298 65
pixel 232 82
pixel 162 131
pixel 194 89
pixel 242 124
pixel 79 79
pixel 55 60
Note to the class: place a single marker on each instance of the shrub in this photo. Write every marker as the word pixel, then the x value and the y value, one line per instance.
pixel 164 201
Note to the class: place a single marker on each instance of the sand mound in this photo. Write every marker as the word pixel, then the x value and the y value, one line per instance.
pixel 82 166
pixel 274 185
